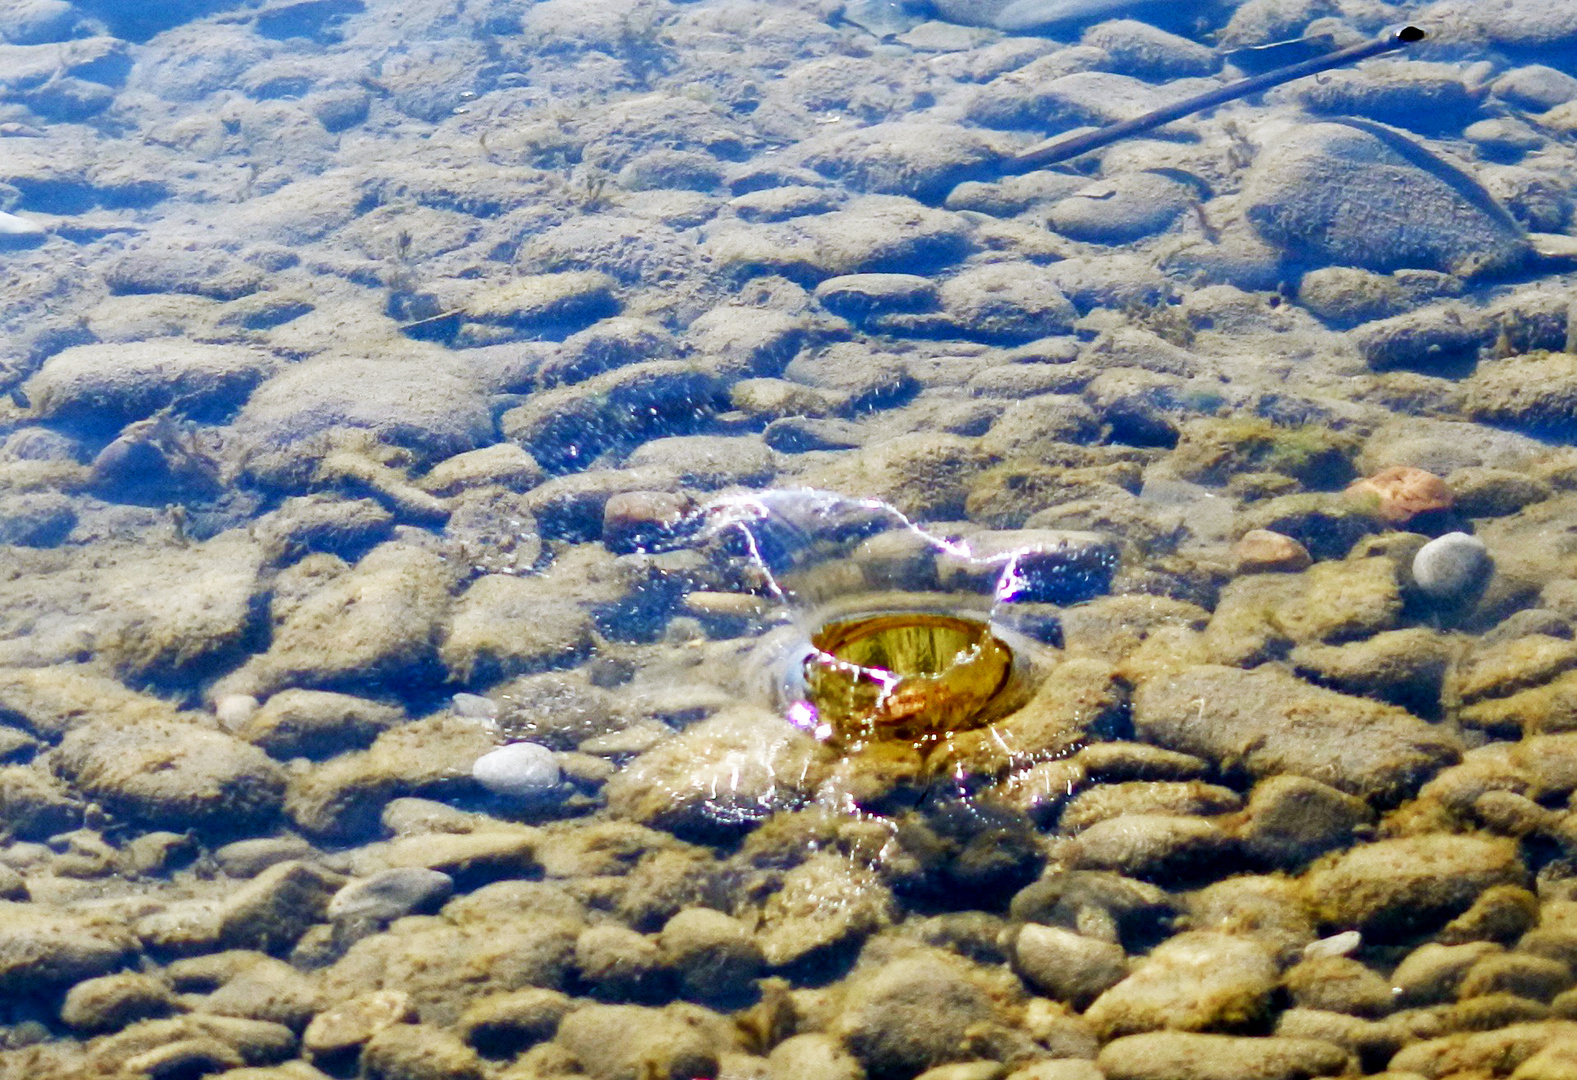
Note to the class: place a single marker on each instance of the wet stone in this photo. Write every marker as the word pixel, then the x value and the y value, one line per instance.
pixel 1164 1055
pixel 1287 726
pixel 1067 966
pixel 389 895
pixel 1124 209
pixel 316 723
pixel 913 1014
pixel 111 1002
pixel 1318 193
pixel 859 296
pixel 715 956
pixel 502 1025
pixel 1195 981
pixel 1399 886
pixel 1452 568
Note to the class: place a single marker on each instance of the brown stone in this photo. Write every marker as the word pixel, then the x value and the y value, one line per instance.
pixel 1402 492
pixel 1261 551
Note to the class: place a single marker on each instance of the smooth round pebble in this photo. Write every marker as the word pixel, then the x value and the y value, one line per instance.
pixel 1450 567
pixel 234 710
pixel 521 770
pixel 474 706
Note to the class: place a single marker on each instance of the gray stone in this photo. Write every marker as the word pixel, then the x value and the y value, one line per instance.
pixel 1336 193
pixel 521 770
pixel 1452 567
pixel 1010 302
pixel 389 895
pixel 918 158
pixel 1127 207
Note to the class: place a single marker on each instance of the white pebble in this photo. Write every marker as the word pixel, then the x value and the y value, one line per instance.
pixel 474 706
pixel 11 225
pixel 233 710
pixel 521 770
pixel 1336 945
pixel 1452 566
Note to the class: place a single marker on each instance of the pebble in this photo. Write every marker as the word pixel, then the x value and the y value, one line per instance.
pixel 1319 192
pixel 522 770
pixel 1452 567
pixel 389 895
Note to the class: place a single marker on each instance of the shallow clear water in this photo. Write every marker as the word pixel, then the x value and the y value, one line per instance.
pixel 1052 623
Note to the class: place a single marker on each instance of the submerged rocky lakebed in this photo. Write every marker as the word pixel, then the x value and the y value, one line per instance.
pixel 374 372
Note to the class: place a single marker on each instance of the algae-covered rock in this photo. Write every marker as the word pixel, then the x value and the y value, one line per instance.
pixel 173 774
pixel 1193 982
pixel 924 476
pixel 629 1042
pixel 275 908
pixel 1187 1056
pixel 1342 601
pixel 1400 886
pixel 103 383
pixel 1265 722
pixel 1339 193
pixel 316 723
pixel 912 1014
pixel 505 625
pixel 343 797
pixel 1292 819
pixel 418 1052
pixel 826 903
pixel 1067 966
pixel 42 949
pixel 1210 450
pixel 720 776
pixel 378 622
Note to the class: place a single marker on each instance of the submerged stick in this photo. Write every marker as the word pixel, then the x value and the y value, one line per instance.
pixel 1062 149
